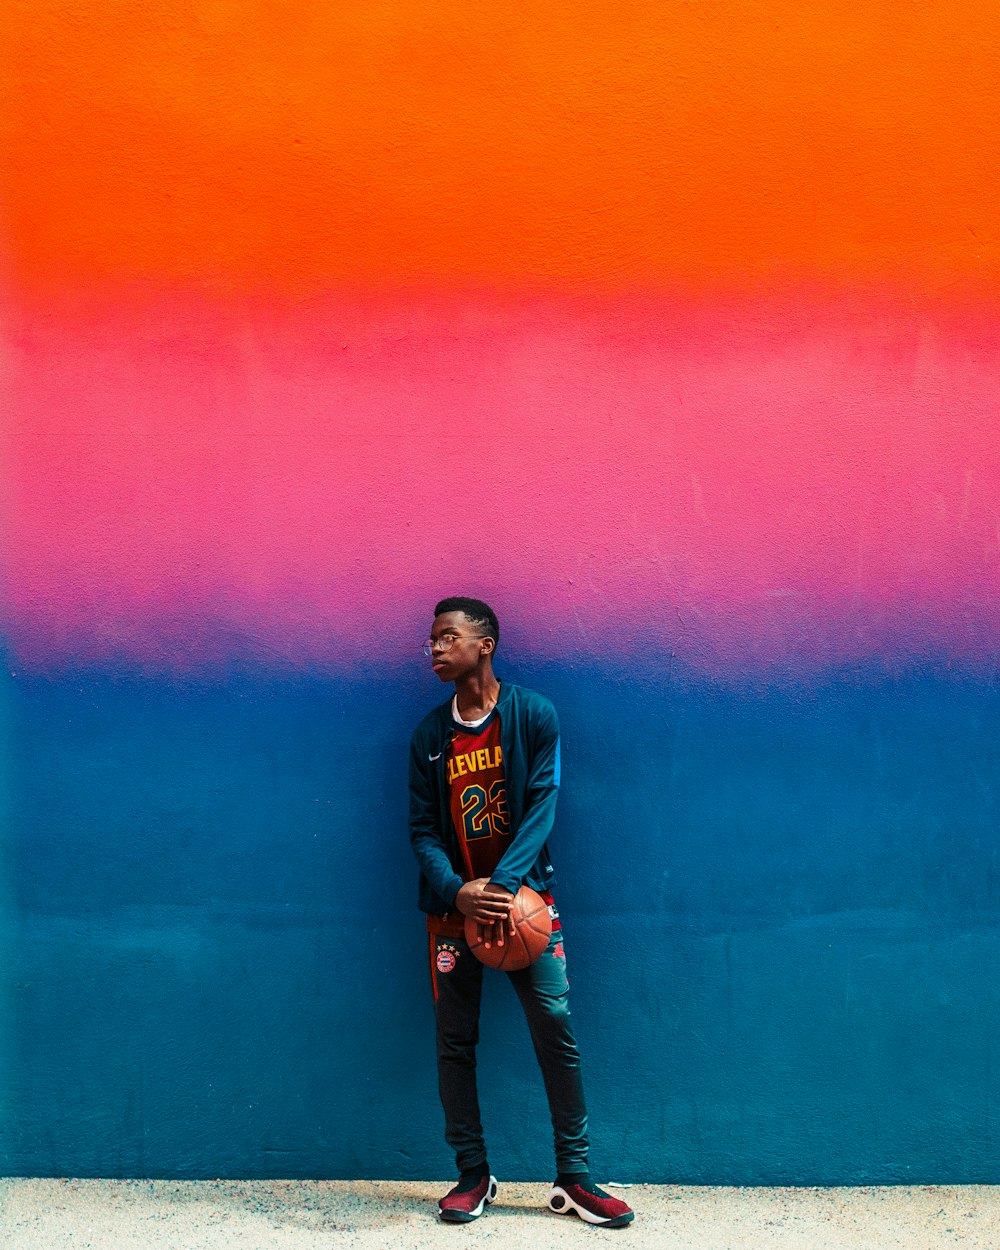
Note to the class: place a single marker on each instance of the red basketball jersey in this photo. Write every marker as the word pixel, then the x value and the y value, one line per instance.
pixel 479 797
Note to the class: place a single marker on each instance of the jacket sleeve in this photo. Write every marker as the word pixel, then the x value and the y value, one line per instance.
pixel 425 825
pixel 540 804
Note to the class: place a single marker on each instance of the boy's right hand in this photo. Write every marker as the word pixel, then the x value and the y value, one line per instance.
pixel 490 906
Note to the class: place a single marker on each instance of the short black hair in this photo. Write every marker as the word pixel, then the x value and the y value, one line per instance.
pixel 479 613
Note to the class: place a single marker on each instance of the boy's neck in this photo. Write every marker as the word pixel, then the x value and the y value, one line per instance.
pixel 476 693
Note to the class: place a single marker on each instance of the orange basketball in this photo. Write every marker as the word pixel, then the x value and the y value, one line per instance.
pixel 532 930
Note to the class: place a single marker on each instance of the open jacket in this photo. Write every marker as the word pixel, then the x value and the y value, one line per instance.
pixel 529 739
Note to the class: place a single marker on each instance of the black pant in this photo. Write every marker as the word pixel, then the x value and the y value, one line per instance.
pixel 544 994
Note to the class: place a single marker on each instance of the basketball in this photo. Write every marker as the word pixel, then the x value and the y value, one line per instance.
pixel 532 930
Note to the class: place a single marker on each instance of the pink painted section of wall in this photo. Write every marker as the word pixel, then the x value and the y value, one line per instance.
pixel 791 482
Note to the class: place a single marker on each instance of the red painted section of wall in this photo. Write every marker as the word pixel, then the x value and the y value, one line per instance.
pixel 782 479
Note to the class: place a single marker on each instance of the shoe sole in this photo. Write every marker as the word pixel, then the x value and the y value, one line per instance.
pixel 451 1216
pixel 569 1207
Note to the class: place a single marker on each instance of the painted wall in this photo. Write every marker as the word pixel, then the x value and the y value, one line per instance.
pixel 670 330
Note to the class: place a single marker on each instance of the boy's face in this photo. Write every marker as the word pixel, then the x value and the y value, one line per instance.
pixel 459 646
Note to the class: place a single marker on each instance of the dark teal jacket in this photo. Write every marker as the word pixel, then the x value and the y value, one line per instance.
pixel 529 738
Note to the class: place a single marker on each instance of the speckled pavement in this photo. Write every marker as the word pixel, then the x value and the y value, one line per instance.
pixel 308 1215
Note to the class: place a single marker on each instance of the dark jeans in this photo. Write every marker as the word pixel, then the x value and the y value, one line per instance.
pixel 544 994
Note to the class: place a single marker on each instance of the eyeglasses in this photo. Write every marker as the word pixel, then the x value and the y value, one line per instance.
pixel 447 641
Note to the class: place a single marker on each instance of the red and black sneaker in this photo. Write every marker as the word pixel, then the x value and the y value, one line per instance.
pixel 467 1201
pixel 590 1204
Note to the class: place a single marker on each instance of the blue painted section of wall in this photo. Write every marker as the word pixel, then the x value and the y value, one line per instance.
pixel 780 911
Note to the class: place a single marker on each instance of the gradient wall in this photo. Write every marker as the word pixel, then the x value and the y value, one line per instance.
pixel 670 330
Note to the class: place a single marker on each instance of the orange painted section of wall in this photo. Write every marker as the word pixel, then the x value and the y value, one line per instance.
pixel 253 143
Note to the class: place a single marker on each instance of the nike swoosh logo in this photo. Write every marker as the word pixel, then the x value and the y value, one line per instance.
pixel 432 758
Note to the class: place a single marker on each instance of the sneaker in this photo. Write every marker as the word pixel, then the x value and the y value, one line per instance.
pixel 467 1201
pixel 590 1204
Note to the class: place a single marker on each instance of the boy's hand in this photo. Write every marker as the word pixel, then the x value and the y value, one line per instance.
pixel 490 906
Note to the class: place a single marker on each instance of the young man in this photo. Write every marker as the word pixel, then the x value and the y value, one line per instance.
pixel 484 775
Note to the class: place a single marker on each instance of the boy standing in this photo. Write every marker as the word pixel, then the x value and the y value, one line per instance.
pixel 484 775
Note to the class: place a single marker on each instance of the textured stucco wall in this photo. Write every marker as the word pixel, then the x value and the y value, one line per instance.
pixel 670 332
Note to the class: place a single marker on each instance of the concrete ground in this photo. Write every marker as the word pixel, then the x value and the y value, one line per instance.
pixel 309 1215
